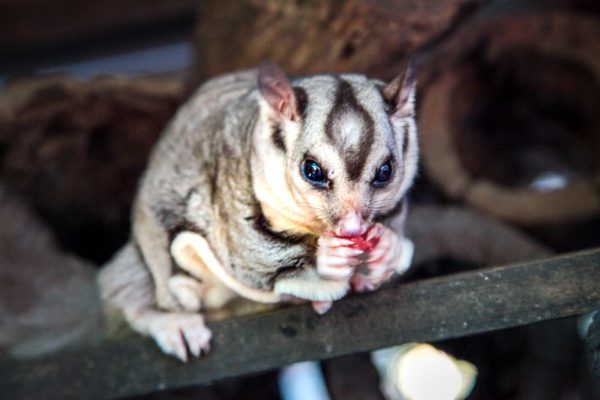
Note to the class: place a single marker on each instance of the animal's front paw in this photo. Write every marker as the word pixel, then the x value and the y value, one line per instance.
pixel 188 292
pixel 336 257
pixel 175 333
pixel 382 260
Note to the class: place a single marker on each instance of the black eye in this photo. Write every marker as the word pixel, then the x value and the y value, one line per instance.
pixel 383 175
pixel 313 173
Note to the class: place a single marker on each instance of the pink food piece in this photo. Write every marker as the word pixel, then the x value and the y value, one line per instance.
pixel 361 243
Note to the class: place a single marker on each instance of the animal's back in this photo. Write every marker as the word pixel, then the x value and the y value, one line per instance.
pixel 183 163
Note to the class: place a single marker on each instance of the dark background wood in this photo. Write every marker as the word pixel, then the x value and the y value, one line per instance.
pixel 34 22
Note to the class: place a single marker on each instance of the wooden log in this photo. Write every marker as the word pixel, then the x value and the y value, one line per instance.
pixel 76 149
pixel 429 310
pixel 372 37
pixel 469 236
pixel 510 101
pixel 39 23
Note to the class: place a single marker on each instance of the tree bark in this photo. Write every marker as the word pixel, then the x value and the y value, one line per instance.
pixel 77 149
pixel 509 104
pixel 39 23
pixel 306 37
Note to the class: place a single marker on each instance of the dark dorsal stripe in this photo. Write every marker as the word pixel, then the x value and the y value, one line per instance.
pixel 404 149
pixel 301 101
pixel 404 140
pixel 345 102
pixel 277 138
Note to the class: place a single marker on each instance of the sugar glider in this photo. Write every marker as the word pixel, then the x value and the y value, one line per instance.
pixel 263 186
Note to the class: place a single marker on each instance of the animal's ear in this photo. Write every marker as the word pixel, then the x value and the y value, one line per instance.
pixel 276 89
pixel 401 92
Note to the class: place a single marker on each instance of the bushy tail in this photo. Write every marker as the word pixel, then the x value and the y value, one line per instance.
pixel 48 299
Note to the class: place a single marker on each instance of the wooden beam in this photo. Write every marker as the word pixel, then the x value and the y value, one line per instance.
pixel 26 23
pixel 430 310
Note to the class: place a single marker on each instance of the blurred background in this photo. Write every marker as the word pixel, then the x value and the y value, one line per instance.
pixel 508 114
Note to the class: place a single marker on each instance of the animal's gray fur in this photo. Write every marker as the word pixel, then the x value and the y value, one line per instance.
pixel 226 143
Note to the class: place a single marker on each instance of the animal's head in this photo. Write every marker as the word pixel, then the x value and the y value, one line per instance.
pixel 333 152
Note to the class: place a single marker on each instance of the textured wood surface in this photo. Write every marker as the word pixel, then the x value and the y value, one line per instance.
pixel 367 36
pixel 429 310
pixel 77 149
pixel 39 22
pixel 510 96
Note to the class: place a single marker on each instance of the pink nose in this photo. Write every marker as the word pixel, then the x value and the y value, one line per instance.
pixel 351 225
